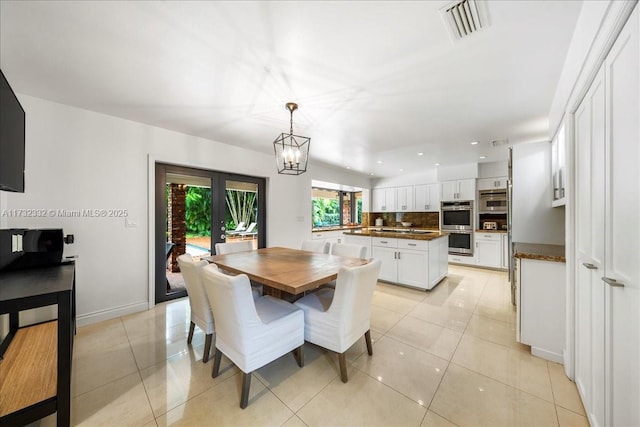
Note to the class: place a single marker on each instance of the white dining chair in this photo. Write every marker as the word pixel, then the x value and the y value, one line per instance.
pixel 349 250
pixel 251 333
pixel 336 318
pixel 319 246
pixel 201 314
pixel 233 247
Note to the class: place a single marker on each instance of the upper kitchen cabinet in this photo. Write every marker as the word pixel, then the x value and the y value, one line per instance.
pixel 404 199
pixel 558 167
pixel 499 183
pixel 426 198
pixel 464 189
pixel 383 200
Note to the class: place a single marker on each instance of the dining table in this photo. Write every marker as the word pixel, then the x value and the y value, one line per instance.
pixel 285 272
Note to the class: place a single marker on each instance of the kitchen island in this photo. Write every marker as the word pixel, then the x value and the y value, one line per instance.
pixel 411 257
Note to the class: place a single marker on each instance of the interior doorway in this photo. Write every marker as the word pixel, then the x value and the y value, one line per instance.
pixel 197 208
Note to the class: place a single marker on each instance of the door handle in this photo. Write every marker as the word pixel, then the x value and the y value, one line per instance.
pixel 612 282
pixel 222 236
pixel 589 266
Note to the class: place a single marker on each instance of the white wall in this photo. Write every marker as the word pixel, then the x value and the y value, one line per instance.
pixel 534 220
pixel 79 159
pixel 493 169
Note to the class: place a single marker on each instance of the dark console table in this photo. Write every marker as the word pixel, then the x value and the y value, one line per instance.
pixel 35 369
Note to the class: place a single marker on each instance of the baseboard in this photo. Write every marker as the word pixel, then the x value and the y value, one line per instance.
pixel 545 354
pixel 112 313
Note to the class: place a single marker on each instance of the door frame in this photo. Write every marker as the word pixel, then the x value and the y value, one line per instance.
pixel 157 213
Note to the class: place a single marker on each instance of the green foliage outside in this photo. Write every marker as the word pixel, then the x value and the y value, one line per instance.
pixel 198 211
pixel 326 212
pixel 241 207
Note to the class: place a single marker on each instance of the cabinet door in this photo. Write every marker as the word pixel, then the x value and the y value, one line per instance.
pixel 488 253
pixel 404 199
pixel 421 198
pixel 434 262
pixel 413 267
pixel 390 199
pixel 467 189
pixel 378 202
pixel 622 227
pixel 449 190
pixel 434 198
pixel 388 268
pixel 444 255
pixel 505 251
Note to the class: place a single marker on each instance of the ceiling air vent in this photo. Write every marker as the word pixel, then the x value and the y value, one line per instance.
pixel 464 17
pixel 500 142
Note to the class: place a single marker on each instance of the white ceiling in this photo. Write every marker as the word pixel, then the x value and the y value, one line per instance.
pixel 374 80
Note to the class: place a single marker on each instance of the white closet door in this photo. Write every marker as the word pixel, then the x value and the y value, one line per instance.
pixel 590 196
pixel 622 228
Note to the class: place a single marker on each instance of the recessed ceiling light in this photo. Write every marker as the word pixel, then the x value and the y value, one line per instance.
pixel 474 143
pixel 371 174
pixel 379 162
pixel 420 154
pixel 348 167
pixel 437 164
pixel 483 157
pixel 401 170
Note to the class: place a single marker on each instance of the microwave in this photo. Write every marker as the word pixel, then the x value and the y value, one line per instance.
pixel 493 201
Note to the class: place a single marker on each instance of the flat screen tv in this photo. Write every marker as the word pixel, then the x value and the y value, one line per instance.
pixel 11 139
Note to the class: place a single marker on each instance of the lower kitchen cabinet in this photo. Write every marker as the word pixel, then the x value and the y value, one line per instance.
pixel 417 263
pixel 489 250
pixel 541 307
pixel 332 236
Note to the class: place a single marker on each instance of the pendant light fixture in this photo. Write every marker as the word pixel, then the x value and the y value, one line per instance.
pixel 292 151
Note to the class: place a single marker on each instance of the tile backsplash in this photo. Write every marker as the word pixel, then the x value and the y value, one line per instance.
pixel 394 219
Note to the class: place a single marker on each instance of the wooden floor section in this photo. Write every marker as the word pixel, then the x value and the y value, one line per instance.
pixel 28 371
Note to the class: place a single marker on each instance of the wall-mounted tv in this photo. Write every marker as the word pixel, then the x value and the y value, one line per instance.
pixel 11 139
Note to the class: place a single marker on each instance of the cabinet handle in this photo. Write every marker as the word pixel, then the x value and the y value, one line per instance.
pixel 398 255
pixel 411 244
pixel 383 241
pixel 589 266
pixel 426 206
pixel 612 282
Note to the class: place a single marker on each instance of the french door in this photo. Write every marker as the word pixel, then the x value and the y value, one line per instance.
pixel 197 208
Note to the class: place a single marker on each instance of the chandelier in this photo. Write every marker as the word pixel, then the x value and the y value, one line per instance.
pixel 292 151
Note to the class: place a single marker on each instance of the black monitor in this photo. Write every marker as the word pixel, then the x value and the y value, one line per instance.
pixel 12 130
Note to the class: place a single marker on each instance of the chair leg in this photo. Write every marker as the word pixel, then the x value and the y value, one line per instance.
pixel 246 383
pixel 216 363
pixel 343 367
pixel 207 348
pixel 192 327
pixel 367 338
pixel 298 353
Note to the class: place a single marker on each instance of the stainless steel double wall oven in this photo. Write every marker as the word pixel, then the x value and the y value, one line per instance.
pixel 457 220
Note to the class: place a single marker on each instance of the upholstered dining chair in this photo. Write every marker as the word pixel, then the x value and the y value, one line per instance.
pixel 201 314
pixel 336 318
pixel 349 250
pixel 251 333
pixel 235 247
pixel 319 246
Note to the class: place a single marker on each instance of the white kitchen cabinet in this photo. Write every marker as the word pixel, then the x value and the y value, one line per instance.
pixel 488 250
pixel 498 183
pixel 541 307
pixel 331 236
pixel 426 198
pixel 383 200
pixel 404 199
pixel 359 240
pixel 607 272
pixel 409 262
pixel 464 189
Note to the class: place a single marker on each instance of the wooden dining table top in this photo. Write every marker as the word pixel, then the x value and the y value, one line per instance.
pixel 289 270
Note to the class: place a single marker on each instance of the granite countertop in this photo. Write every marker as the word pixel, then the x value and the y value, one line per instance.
pixel 479 230
pixel 336 228
pixel 539 251
pixel 402 233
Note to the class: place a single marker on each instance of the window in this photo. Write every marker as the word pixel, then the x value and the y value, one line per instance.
pixel 332 208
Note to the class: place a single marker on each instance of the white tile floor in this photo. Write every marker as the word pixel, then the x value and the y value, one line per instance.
pixel 441 358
